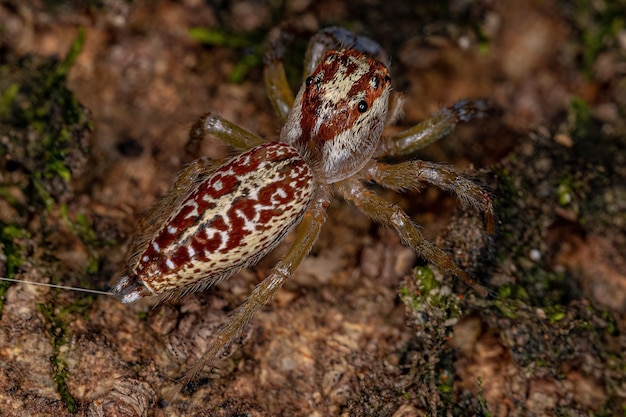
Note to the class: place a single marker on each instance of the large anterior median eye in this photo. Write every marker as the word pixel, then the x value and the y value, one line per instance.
pixel 362 107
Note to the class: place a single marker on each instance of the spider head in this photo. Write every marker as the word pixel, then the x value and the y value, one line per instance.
pixel 339 114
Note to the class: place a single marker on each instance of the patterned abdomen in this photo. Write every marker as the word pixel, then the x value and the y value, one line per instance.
pixel 231 219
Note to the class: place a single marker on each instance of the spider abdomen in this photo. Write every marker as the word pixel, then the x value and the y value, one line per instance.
pixel 229 220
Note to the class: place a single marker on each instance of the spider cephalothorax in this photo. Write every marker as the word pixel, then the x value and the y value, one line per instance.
pixel 221 217
pixel 339 114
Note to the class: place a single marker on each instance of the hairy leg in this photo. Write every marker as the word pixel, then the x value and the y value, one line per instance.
pixel 389 214
pixel 307 232
pixel 340 38
pixel 412 174
pixel 408 142
pixel 276 84
pixel 228 132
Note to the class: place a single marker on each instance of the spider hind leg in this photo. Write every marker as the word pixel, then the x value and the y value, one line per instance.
pixel 392 215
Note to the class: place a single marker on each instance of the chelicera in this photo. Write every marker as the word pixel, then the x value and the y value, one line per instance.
pixel 220 217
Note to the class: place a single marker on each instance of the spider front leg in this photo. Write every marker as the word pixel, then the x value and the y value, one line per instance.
pixel 412 174
pixel 339 38
pixel 408 142
pixel 307 232
pixel 276 83
pixel 392 215
pixel 228 132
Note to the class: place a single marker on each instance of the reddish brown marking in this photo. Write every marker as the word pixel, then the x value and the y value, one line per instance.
pixel 329 69
pixel 181 256
pixel 151 254
pixel 229 183
pixel 268 193
pixel 217 223
pixel 245 206
pixel 200 244
pixel 184 212
pixel 240 167
pixel 339 121
pixel 265 216
pixel 301 181
pixel 349 65
pixel 165 238
pixel 237 233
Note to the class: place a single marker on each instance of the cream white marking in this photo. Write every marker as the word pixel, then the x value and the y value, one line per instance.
pixel 281 193
pixel 194 212
pixel 248 224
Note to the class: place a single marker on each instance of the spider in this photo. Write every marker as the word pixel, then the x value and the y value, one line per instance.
pixel 222 216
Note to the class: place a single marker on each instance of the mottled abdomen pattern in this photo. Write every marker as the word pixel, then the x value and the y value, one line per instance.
pixel 233 218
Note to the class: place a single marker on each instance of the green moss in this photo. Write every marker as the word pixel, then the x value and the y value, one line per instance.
pixel 433 309
pixel 579 116
pixel 250 46
pixel 555 313
pixel 482 401
pixel 8 97
pixel 430 291
pixel 565 194
pixel 44 124
pixel 540 313
pixel 57 329
pixel 599 24
pixel 12 246
pixel 11 237
pixel 219 37
pixel 81 227
pixel 46 131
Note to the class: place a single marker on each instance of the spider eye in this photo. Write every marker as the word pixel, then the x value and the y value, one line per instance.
pixel 362 107
pixel 308 81
pixel 375 82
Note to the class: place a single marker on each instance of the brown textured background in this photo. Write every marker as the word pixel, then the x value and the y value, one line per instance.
pixel 336 340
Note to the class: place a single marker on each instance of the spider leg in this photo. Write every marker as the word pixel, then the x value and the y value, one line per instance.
pixel 276 83
pixel 411 174
pixel 389 214
pixel 339 38
pixel 408 142
pixel 228 132
pixel 306 235
pixel 396 108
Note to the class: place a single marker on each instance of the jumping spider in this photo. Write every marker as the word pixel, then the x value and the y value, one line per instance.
pixel 220 217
